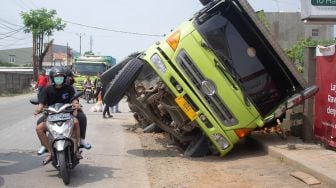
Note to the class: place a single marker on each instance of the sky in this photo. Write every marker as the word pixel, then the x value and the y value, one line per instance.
pixel 126 26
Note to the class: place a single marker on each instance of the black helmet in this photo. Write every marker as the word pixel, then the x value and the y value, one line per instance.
pixel 69 73
pixel 57 71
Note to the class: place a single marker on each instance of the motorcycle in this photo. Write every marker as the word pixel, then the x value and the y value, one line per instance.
pixel 60 132
pixel 89 94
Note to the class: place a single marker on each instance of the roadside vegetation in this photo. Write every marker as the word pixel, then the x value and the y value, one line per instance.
pixel 296 52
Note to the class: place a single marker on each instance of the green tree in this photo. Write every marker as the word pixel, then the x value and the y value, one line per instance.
pixel 41 23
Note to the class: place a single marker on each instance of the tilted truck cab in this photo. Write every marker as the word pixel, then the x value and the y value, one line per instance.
pixel 213 80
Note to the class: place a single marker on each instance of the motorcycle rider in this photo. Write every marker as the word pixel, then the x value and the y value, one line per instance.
pixel 80 113
pixel 57 92
pixel 87 84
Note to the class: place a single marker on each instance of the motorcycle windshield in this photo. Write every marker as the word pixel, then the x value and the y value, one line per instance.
pixel 247 55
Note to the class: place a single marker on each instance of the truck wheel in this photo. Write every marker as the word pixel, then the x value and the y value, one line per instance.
pixel 152 128
pixel 122 81
pixel 198 147
pixel 110 74
pixel 205 2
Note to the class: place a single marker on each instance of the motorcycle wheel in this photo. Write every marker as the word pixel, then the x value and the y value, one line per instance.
pixel 63 169
pixel 88 98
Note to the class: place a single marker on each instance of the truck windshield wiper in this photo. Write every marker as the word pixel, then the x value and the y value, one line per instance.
pixel 227 69
pixel 227 64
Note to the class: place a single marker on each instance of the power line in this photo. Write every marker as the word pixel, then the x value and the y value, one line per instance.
pixel 10 23
pixel 113 30
pixel 11 35
pixel 12 31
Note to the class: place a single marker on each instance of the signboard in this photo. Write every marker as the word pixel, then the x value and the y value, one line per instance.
pixel 319 10
pixel 325 99
pixel 323 2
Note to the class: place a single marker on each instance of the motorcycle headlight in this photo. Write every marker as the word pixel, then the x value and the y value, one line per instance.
pixel 159 64
pixel 64 129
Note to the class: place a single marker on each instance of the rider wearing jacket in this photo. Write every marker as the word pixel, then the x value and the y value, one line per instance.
pixel 57 92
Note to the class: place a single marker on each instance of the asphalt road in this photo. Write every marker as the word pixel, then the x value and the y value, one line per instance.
pixel 122 158
pixel 107 164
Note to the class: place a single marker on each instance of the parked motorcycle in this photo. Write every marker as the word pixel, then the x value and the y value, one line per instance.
pixel 60 131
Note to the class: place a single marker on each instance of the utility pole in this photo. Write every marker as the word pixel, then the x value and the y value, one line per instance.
pixel 91 42
pixel 34 59
pixel 80 42
pixel 67 54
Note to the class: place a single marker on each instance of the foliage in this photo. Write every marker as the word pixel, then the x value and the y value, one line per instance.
pixel 41 22
pixel 296 52
pixel 2 64
pixel 261 15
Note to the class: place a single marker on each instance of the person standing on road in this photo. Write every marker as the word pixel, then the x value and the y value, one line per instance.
pixel 42 82
pixel 98 85
pixel 106 108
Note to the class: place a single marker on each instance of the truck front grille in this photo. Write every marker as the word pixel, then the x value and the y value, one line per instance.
pixel 214 101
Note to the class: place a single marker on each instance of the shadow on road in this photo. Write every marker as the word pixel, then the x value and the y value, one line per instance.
pixel 246 148
pixel 17 162
pixel 85 173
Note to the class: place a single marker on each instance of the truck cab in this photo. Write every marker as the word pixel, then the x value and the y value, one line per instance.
pixel 213 80
pixel 90 65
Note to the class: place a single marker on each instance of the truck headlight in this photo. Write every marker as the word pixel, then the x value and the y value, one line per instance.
pixel 221 140
pixel 157 61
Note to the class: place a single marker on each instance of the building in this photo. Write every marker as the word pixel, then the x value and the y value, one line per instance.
pixel 287 28
pixel 18 56
pixel 56 55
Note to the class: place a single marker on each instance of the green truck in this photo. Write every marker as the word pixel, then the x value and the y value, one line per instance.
pixel 90 65
pixel 212 81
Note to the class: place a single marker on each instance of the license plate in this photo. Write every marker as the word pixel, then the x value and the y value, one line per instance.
pixel 186 108
pixel 59 117
pixel 89 90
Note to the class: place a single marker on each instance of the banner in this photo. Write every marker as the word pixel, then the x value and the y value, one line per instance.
pixel 325 99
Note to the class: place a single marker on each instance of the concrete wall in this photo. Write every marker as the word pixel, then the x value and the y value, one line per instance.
pixel 287 28
pixel 14 82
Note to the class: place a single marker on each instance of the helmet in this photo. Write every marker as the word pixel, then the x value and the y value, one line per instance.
pixel 69 77
pixel 57 72
pixel 69 73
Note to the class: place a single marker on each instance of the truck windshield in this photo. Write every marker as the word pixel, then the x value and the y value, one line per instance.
pixel 89 68
pixel 246 56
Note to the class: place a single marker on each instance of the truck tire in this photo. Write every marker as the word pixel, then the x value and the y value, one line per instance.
pixel 198 147
pixel 110 74
pixel 152 128
pixel 205 2
pixel 122 81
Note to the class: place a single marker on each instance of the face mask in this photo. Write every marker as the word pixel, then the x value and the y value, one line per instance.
pixel 59 80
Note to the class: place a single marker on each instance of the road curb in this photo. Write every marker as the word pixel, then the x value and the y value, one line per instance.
pixel 297 159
